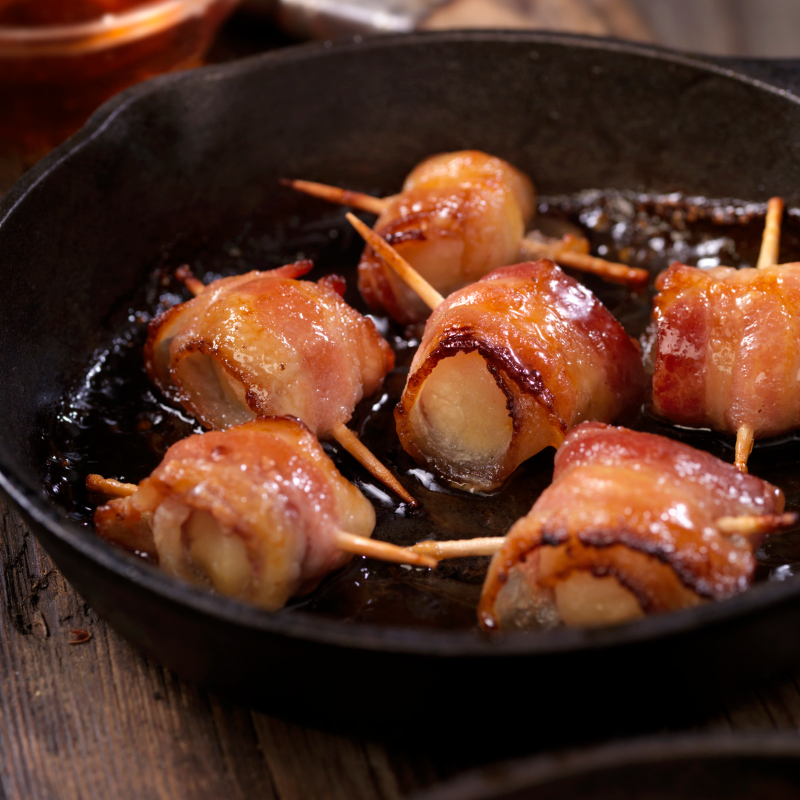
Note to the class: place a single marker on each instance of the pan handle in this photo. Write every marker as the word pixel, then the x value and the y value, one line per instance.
pixel 781 72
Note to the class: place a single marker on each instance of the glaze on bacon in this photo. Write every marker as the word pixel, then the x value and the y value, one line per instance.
pixel 266 344
pixel 728 348
pixel 250 512
pixel 506 367
pixel 627 528
pixel 458 216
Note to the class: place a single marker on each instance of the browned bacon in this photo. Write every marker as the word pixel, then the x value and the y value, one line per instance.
pixel 265 344
pixel 627 528
pixel 506 366
pixel 728 349
pixel 251 512
pixel 458 216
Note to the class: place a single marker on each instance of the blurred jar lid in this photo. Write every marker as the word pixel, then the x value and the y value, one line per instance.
pixel 325 19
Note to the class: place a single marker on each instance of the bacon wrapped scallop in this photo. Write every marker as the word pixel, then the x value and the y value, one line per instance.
pixel 457 217
pixel 264 344
pixel 727 352
pixel 257 512
pixel 728 348
pixel 506 367
pixel 632 524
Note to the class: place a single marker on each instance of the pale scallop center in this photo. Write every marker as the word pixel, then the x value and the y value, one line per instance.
pixel 220 556
pixel 218 399
pixel 587 600
pixel 439 259
pixel 463 412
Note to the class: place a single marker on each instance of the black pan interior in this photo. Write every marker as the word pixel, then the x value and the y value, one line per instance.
pixel 193 159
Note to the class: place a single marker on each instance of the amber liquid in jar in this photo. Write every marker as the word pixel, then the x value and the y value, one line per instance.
pixel 61 59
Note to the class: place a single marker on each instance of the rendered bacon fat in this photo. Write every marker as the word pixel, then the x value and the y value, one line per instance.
pixel 627 528
pixel 506 366
pixel 251 512
pixel 458 216
pixel 265 344
pixel 728 348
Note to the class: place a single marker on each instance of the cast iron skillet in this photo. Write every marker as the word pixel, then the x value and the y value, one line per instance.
pixel 692 767
pixel 189 153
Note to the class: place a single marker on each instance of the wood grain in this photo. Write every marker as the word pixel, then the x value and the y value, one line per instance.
pixel 101 720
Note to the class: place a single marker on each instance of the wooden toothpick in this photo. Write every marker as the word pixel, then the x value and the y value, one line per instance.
pixel 429 295
pixel 192 283
pixel 460 548
pixel 109 487
pixel 749 525
pixel 349 440
pixel 383 551
pixel 344 197
pixel 745 439
pixel 767 257
pixel 771 239
pixel 535 248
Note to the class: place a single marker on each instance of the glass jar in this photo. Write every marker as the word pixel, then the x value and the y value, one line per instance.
pixel 60 60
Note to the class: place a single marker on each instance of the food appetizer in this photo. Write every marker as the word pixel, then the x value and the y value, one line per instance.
pixel 632 524
pixel 257 512
pixel 506 367
pixel 458 216
pixel 521 358
pixel 727 355
pixel 268 344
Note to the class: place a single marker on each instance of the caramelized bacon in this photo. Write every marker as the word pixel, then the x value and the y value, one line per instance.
pixel 251 512
pixel 728 349
pixel 265 344
pixel 627 528
pixel 458 216
pixel 506 367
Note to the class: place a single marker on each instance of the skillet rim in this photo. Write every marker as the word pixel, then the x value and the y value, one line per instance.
pixel 296 624
pixel 499 780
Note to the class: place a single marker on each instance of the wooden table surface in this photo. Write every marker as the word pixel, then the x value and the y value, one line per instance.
pixel 99 720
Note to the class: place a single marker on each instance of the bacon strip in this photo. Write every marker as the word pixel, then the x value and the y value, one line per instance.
pixel 266 344
pixel 458 216
pixel 251 512
pixel 506 367
pixel 627 528
pixel 728 349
